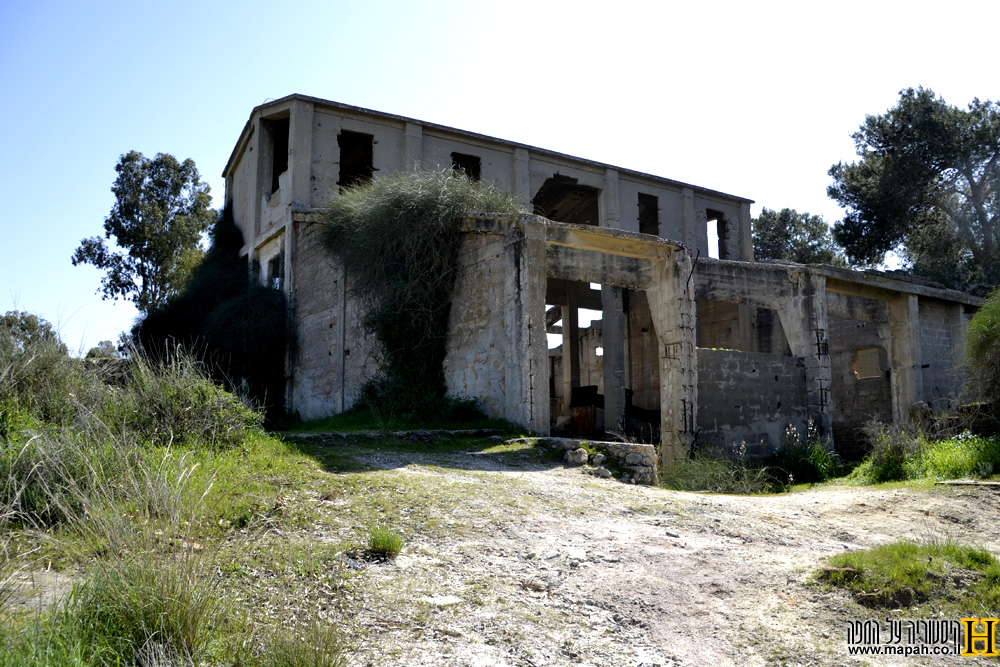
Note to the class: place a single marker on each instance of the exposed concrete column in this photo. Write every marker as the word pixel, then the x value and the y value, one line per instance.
pixel 901 338
pixel 690 238
pixel 613 361
pixel 672 307
pixel 522 177
pixel 256 177
pixel 746 238
pixel 803 317
pixel 609 205
pixel 300 161
pixel 527 386
pixel 413 138
pixel 571 345
pixel 957 328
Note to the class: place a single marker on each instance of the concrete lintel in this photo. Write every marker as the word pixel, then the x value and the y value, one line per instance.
pixel 858 308
pixel 591 266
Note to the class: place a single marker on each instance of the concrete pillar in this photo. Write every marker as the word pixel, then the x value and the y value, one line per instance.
pixel 746 238
pixel 571 345
pixel 257 145
pixel 522 177
pixel 672 307
pixel 300 160
pixel 803 317
pixel 901 339
pixel 527 385
pixel 957 328
pixel 690 234
pixel 609 205
pixel 613 361
pixel 413 137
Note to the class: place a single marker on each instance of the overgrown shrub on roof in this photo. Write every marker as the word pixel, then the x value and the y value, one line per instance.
pixel 398 237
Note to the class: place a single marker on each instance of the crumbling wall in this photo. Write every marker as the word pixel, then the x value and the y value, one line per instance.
pixel 643 353
pixel 333 355
pixel 856 354
pixel 940 376
pixel 749 397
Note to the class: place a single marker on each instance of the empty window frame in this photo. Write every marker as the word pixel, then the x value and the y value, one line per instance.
pixel 276 271
pixel 718 234
pixel 470 165
pixel 866 363
pixel 357 157
pixel 277 133
pixel 649 214
pixel 563 199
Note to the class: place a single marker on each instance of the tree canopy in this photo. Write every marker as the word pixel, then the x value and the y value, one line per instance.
pixel 927 184
pixel 162 209
pixel 795 237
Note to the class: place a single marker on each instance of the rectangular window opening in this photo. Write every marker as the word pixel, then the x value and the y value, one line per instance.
pixel 866 363
pixel 277 131
pixel 649 215
pixel 275 271
pixel 718 234
pixel 470 165
pixel 357 158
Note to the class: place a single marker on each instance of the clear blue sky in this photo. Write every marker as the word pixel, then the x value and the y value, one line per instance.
pixel 754 99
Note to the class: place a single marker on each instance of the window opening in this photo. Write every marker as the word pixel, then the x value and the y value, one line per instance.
pixel 718 234
pixel 357 157
pixel 278 130
pixel 470 165
pixel 562 199
pixel 275 271
pixel 866 363
pixel 649 214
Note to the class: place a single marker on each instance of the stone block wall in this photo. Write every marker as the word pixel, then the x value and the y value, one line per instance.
pixel 941 380
pixel 749 397
pixel 856 400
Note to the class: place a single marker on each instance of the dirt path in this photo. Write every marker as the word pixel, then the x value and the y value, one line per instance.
pixel 556 567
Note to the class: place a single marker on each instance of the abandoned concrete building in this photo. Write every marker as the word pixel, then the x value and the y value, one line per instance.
pixel 690 342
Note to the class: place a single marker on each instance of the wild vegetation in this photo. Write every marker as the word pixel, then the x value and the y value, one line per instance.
pixel 398 238
pixel 133 472
pixel 235 326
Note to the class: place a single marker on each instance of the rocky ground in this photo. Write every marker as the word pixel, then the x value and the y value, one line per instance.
pixel 513 558
pixel 551 566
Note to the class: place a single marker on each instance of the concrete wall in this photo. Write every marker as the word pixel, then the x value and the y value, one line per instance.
pixel 938 346
pixel 643 368
pixel 478 347
pixel 856 400
pixel 332 356
pixel 749 397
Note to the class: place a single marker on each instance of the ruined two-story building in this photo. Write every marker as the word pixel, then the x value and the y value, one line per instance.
pixel 694 338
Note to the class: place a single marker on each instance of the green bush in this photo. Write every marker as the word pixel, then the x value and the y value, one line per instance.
pixel 398 238
pixel 983 351
pixel 963 456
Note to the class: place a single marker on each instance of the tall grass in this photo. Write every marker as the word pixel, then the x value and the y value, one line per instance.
pixel 107 472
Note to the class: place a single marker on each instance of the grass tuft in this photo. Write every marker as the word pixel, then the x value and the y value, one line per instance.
pixel 383 542
pixel 938 576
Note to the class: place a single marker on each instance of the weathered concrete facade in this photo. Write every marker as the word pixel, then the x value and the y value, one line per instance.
pixel 697 344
